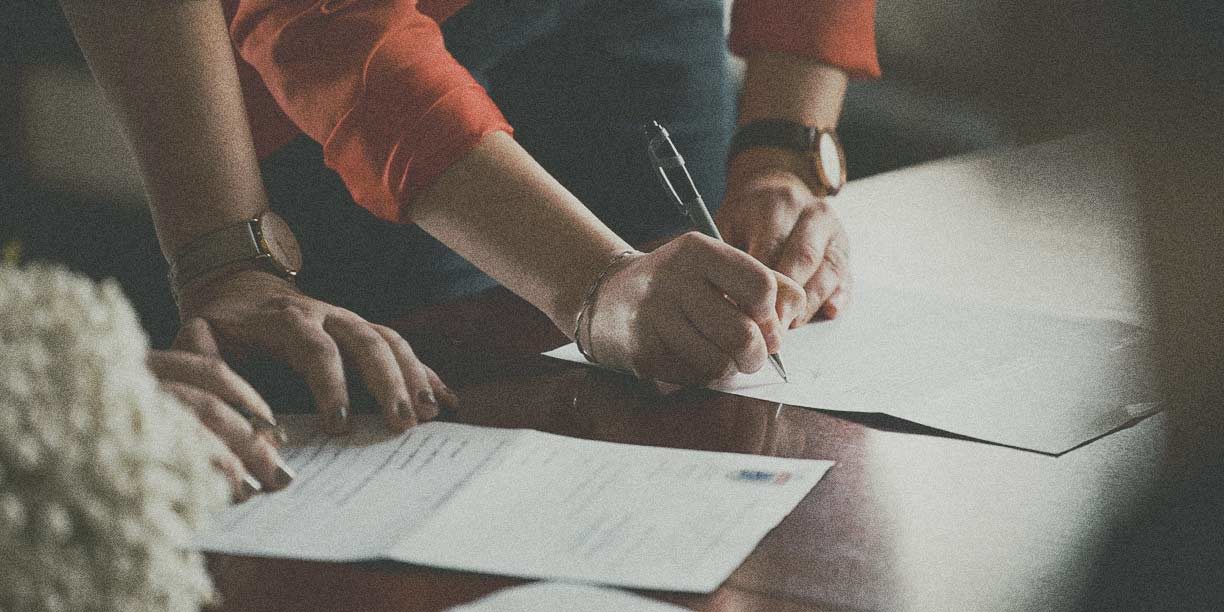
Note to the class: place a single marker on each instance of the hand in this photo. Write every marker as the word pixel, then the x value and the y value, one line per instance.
pixel 693 311
pixel 252 312
pixel 207 387
pixel 771 213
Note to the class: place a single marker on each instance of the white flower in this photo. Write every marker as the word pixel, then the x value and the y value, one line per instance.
pixel 104 478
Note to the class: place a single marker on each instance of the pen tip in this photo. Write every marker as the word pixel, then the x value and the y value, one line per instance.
pixel 776 361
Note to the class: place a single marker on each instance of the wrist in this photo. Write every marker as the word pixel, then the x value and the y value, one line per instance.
pixel 586 312
pixel 245 278
pixel 571 301
pixel 810 153
pixel 758 163
pixel 265 242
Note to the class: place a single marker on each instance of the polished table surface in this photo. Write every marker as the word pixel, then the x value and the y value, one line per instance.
pixel 909 518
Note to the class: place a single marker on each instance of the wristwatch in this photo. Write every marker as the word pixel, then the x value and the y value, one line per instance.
pixel 821 148
pixel 265 241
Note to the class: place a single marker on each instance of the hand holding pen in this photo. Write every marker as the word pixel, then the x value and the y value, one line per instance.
pixel 690 312
pixel 675 178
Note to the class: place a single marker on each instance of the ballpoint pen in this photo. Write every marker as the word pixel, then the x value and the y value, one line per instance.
pixel 676 180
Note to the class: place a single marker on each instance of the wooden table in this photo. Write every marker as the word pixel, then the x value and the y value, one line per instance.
pixel 909 518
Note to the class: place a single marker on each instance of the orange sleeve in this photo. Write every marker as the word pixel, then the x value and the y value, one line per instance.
pixel 373 83
pixel 840 33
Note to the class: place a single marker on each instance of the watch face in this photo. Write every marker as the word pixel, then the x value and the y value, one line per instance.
pixel 831 162
pixel 280 243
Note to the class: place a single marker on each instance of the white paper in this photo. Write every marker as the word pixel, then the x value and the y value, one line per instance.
pixel 522 503
pixel 561 597
pixel 1013 376
pixel 355 495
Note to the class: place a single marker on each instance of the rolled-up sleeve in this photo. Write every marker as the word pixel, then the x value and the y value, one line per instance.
pixel 840 33
pixel 371 81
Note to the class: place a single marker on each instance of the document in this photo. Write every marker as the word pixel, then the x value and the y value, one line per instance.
pixel 561 597
pixel 519 503
pixel 1016 377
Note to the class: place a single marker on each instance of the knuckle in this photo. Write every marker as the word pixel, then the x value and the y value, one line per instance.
pixel 212 367
pixel 807 255
pixel 742 334
pixel 695 241
pixel 823 210
pixel 767 282
pixel 828 279
pixel 366 340
pixel 318 345
pixel 386 332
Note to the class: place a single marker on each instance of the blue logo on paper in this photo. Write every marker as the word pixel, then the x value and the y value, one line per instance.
pixel 761 476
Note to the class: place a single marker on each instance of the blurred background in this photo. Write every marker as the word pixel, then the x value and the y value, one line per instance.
pixel 959 76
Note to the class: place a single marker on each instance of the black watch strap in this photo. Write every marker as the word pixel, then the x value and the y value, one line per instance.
pixel 775 133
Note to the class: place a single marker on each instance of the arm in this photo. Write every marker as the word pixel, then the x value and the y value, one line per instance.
pixel 167 72
pixel 800 57
pixel 416 139
pixel 663 315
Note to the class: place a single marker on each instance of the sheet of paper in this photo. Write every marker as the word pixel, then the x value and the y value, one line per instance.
pixel 561 597
pixel 356 494
pixel 521 503
pixel 1017 377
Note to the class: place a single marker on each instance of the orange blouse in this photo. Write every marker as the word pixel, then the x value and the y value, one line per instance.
pixel 372 81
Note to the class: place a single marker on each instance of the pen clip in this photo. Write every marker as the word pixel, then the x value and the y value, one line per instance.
pixel 667 184
pixel 657 139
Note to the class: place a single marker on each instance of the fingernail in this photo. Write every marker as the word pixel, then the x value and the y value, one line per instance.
pixel 339 419
pixel 250 487
pixel 404 410
pixel 284 474
pixel 449 397
pixel 429 402
pixel 277 433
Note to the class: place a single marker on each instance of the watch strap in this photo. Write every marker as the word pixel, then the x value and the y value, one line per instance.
pixel 776 133
pixel 217 249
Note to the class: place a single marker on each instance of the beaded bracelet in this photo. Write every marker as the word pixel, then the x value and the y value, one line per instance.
pixel 589 299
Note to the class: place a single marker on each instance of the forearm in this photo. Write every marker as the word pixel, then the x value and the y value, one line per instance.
pixel 503 212
pixel 167 71
pixel 781 86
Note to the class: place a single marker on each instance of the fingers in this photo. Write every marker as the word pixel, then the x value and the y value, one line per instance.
pixel 824 289
pixel 426 392
pixel 373 359
pixel 688 357
pixel 255 454
pixel 312 353
pixel 212 375
pixel 835 257
pixel 805 249
pixel 792 301
pixel 733 334
pixel 747 282
pixel 767 240
pixel 242 485
pixel 197 337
